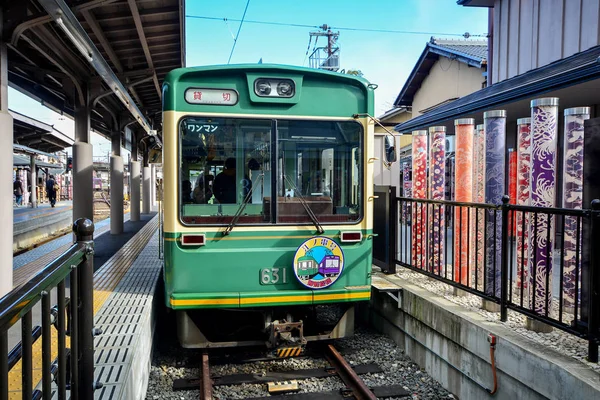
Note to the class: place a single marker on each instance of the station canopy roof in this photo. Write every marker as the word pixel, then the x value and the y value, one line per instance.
pixel 139 41
pixel 36 135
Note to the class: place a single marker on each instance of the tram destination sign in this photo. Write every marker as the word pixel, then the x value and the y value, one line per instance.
pixel 223 97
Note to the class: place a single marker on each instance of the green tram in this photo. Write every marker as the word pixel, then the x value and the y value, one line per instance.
pixel 268 181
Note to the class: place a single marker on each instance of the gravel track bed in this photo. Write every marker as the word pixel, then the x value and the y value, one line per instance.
pixel 558 340
pixel 365 347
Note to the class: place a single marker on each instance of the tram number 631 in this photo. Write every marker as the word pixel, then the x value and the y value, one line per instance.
pixel 273 276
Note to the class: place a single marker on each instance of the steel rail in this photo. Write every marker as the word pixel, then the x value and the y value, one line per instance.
pixel 206 388
pixel 347 374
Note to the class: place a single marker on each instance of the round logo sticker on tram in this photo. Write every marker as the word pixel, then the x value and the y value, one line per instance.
pixel 318 262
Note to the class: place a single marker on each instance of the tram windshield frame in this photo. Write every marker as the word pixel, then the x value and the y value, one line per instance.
pixel 319 169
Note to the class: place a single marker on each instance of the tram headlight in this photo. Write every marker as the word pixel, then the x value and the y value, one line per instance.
pixel 285 89
pixel 263 87
pixel 272 87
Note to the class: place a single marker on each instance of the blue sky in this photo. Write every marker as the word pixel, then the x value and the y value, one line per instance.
pixel 384 58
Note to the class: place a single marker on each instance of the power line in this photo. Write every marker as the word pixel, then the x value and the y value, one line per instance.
pixel 333 27
pixel 238 32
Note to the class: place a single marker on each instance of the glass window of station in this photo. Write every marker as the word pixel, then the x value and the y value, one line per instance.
pixel 228 171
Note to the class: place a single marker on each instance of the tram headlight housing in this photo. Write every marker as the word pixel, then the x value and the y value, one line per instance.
pixel 263 87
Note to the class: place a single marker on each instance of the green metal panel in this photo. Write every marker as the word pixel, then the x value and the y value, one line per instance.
pixel 321 93
pixel 234 263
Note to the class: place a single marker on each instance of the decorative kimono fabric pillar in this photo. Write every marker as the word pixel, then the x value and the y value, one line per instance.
pixel 407 190
pixel 523 193
pixel 544 118
pixel 419 191
pixel 464 128
pixel 572 197
pixel 512 186
pixel 495 151
pixel 437 189
pixel 478 225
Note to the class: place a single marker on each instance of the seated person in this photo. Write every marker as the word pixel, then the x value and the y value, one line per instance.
pixel 203 190
pixel 186 192
pixel 224 186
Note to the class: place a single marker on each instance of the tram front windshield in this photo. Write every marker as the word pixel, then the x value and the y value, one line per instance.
pixel 231 165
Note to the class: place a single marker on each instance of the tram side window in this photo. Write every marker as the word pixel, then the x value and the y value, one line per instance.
pixel 319 161
pixel 224 163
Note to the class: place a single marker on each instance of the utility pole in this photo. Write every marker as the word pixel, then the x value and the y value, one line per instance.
pixel 327 57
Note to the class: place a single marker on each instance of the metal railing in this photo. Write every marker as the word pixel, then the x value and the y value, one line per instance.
pixel 529 259
pixel 70 280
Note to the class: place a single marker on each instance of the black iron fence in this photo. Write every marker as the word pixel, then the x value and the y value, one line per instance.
pixel 69 281
pixel 528 259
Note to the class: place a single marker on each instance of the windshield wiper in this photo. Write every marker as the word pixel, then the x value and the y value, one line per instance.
pixel 304 203
pixel 242 206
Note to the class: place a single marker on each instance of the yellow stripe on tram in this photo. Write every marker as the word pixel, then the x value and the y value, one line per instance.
pixel 276 299
pixel 204 302
pixel 342 296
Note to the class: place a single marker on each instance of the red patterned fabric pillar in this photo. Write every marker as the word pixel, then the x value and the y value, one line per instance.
pixel 523 193
pixel 512 185
pixel 464 129
pixel 419 191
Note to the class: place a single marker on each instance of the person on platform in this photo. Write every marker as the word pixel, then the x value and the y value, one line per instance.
pixel 18 191
pixel 51 189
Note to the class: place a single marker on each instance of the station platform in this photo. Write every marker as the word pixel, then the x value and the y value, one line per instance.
pixel 30 225
pixel 127 267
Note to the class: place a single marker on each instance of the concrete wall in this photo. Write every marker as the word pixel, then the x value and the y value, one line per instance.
pixel 447 79
pixel 529 34
pixel 451 344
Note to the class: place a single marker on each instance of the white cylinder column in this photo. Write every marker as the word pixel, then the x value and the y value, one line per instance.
pixel 116 195
pixel 83 199
pixel 135 191
pixel 32 194
pixel 146 176
pixel 153 205
pixel 6 203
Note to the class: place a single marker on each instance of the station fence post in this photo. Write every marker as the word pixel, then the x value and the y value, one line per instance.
pixel 594 284
pixel 504 260
pixel 84 231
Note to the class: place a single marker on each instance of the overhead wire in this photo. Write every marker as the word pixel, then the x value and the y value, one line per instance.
pixel 238 32
pixel 332 27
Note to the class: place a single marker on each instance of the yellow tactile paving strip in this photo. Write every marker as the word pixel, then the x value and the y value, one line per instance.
pixel 105 280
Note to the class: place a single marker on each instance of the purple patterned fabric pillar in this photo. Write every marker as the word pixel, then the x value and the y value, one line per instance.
pixel 572 198
pixel 495 150
pixel 437 188
pixel 544 128
pixel 478 227
pixel 523 194
pixel 406 190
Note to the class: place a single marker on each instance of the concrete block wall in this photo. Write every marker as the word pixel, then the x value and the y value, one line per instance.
pixel 451 344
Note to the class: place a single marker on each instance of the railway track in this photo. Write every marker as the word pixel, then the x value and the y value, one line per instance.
pixel 284 383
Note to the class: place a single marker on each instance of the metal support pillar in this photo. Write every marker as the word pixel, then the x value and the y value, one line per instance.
pixel 153 204
pixel 116 186
pixel 33 194
pixel 6 172
pixel 146 176
pixel 83 194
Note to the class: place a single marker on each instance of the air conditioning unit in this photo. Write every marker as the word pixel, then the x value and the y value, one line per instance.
pixel 450 144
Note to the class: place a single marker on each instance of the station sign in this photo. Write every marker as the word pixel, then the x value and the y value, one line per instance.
pixel 222 97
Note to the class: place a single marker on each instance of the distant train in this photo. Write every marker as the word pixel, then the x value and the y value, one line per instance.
pixel 268 187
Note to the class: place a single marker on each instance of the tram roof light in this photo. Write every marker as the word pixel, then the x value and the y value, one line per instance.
pixel 283 87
